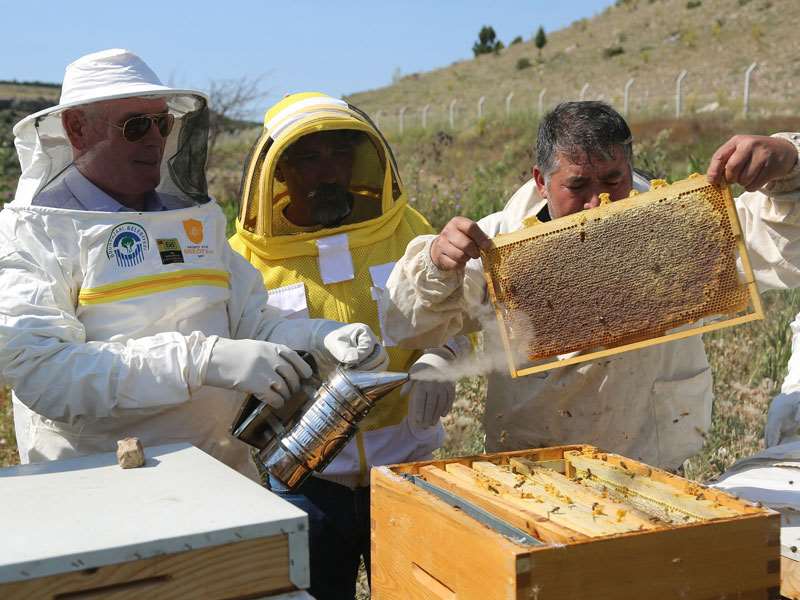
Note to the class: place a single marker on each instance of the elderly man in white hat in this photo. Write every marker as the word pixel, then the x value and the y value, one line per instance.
pixel 123 311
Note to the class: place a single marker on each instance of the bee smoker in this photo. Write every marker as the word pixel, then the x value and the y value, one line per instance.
pixel 315 424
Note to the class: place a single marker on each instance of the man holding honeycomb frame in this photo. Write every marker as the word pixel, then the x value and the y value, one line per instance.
pixel 652 404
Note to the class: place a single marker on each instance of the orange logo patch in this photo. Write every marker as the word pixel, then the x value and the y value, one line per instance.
pixel 194 230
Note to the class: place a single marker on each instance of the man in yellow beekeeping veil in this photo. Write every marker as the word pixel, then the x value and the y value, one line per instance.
pixel 324 218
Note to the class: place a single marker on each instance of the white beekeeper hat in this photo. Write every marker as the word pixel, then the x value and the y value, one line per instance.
pixel 43 148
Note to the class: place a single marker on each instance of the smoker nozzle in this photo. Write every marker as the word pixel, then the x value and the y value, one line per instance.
pixel 375 385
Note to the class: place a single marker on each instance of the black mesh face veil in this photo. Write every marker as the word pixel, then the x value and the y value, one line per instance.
pixel 187 166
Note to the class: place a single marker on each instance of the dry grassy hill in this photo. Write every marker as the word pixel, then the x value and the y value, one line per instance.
pixel 29 91
pixel 649 40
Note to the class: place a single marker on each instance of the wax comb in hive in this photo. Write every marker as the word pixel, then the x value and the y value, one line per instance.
pixel 621 276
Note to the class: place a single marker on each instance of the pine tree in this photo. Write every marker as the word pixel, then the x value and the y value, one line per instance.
pixel 487 42
pixel 540 40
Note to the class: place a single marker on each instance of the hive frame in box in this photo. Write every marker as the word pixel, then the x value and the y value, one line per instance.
pixel 424 547
pixel 754 310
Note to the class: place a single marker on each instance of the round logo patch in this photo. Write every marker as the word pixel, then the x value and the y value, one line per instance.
pixel 128 243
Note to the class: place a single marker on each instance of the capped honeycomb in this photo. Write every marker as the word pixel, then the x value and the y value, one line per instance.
pixel 620 273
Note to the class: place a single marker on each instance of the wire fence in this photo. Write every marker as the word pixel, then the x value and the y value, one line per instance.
pixel 633 99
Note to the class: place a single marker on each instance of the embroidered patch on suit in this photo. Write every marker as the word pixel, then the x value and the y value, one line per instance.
pixel 128 243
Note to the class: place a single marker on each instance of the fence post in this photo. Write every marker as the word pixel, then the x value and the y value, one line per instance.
pixel 452 116
pixel 583 90
pixel 401 119
pixel 481 100
pixel 541 100
pixel 625 105
pixel 678 83
pixel 508 104
pixel 746 102
pixel 425 116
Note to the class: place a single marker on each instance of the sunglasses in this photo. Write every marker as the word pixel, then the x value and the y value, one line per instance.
pixel 136 128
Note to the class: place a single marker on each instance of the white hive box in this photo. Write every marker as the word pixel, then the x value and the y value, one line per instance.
pixel 772 478
pixel 182 526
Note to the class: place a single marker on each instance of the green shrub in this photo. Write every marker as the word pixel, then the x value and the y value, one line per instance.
pixel 612 51
pixel 516 40
pixel 693 4
pixel 523 63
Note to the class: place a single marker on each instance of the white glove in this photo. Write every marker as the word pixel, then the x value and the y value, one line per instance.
pixel 783 419
pixel 333 343
pixel 271 372
pixel 429 399
pixel 353 345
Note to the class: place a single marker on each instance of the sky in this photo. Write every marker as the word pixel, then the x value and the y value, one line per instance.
pixel 296 45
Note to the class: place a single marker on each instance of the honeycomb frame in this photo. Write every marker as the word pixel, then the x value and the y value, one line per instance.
pixel 679 281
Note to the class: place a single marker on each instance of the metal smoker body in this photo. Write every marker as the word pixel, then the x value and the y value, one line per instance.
pixel 315 424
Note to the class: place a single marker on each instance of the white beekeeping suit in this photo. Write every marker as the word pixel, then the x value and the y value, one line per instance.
pixel 108 320
pixel 652 404
pixel 771 476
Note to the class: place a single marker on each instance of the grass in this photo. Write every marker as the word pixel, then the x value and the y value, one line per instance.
pixel 8 441
pixel 25 91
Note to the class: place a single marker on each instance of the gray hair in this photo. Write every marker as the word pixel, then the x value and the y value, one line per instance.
pixel 578 129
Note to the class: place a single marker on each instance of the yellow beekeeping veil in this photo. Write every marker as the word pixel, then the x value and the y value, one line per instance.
pixel 374 184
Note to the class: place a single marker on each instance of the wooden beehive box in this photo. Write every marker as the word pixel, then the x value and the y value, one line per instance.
pixel 182 526
pixel 581 524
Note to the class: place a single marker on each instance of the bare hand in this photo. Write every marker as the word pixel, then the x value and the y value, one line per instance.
pixel 460 240
pixel 752 161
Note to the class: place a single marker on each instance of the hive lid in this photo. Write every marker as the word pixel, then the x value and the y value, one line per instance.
pixel 628 274
pixel 87 512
